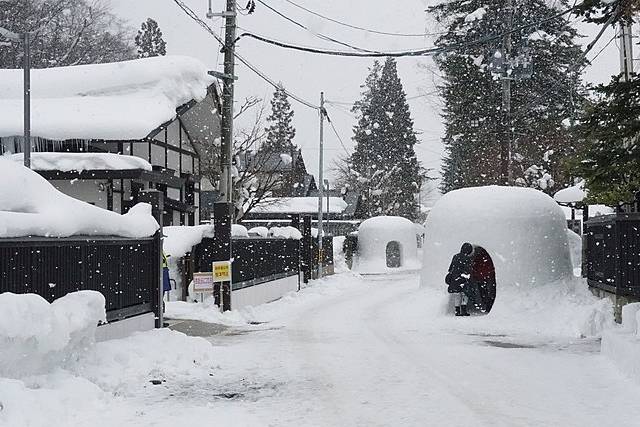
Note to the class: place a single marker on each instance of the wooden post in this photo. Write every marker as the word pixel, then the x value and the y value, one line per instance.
pixel 156 199
pixel 222 213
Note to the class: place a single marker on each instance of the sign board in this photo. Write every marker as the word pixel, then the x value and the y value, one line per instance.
pixel 202 282
pixel 222 271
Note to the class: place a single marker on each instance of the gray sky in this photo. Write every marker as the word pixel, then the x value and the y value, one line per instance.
pixel 340 78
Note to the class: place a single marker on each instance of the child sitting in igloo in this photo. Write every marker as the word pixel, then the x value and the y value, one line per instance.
pixel 458 278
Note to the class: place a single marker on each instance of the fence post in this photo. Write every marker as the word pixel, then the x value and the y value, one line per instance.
pixel 222 212
pixel 156 199
pixel 306 249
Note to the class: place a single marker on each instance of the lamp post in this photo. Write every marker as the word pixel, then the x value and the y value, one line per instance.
pixel 25 38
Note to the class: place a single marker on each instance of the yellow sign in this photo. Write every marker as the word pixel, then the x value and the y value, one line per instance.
pixel 222 271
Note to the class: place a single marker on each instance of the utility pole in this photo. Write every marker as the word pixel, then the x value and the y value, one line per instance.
pixel 320 185
pixel 505 148
pixel 25 38
pixel 626 50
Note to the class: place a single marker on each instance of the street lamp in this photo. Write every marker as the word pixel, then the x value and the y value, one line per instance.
pixel 25 38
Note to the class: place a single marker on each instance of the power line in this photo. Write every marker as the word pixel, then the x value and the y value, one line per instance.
pixel 319 35
pixel 407 53
pixel 191 14
pixel 355 27
pixel 336 132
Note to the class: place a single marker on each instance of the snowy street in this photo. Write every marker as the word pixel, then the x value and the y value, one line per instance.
pixel 346 351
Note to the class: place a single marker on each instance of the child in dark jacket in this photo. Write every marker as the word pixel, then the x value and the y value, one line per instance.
pixel 458 278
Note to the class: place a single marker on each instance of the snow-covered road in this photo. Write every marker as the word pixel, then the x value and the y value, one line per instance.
pixel 378 353
pixel 346 351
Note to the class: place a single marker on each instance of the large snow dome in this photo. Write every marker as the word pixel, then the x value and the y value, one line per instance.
pixel 523 230
pixel 386 244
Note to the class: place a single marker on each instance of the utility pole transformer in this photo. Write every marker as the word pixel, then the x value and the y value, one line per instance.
pixel 505 147
pixel 320 185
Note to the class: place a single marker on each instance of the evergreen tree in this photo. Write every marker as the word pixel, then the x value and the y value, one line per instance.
pixel 384 163
pixel 541 105
pixel 280 130
pixel 149 40
pixel 610 162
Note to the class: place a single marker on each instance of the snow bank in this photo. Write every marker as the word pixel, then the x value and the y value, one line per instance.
pixel 31 206
pixel 523 230
pixel 573 194
pixel 123 100
pixel 36 336
pixel 259 231
pixel 238 230
pixel 179 240
pixel 67 162
pixel 575 246
pixel 285 233
pixel 374 234
pixel 622 344
pixel 299 205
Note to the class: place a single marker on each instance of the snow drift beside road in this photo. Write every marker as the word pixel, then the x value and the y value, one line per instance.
pixel 36 337
pixel 31 206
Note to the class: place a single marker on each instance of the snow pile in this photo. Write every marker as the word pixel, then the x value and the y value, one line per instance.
pixel 179 240
pixel 523 230
pixel 572 194
pixel 575 245
pixel 374 234
pixel 31 206
pixel 622 344
pixel 238 230
pixel 259 231
pixel 288 232
pixel 67 162
pixel 299 205
pixel 117 101
pixel 476 15
pixel 36 336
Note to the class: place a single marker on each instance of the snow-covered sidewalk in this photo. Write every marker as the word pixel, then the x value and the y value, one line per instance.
pixel 347 351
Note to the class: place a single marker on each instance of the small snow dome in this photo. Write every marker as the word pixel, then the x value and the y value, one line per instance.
pixel 523 230
pixel 386 244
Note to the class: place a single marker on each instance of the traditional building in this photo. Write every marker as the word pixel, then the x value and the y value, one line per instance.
pixel 103 133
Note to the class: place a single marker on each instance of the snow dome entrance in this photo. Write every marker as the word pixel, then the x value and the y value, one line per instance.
pixel 393 255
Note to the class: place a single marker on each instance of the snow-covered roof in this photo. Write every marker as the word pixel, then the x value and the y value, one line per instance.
pixel 276 205
pixel 31 206
pixel 67 162
pixel 116 101
pixel 572 194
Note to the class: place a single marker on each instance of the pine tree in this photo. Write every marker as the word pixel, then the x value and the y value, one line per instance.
pixel 149 40
pixel 384 162
pixel 610 162
pixel 280 132
pixel 542 105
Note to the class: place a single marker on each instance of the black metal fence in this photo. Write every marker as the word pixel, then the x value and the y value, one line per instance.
pixel 255 260
pixel 611 254
pixel 125 271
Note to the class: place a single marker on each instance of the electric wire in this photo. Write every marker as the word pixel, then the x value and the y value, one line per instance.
pixel 407 53
pixel 355 27
pixel 319 35
pixel 336 133
pixel 187 10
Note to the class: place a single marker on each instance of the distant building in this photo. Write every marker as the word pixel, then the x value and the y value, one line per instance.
pixel 90 122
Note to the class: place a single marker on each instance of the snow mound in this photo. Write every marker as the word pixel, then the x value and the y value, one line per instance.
pixel 85 101
pixel 523 230
pixel 259 231
pixel 375 234
pixel 573 194
pixel 288 232
pixel 279 205
pixel 36 336
pixel 179 240
pixel 67 162
pixel 31 206
pixel 238 230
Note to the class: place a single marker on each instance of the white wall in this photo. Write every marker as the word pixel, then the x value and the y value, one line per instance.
pixel 263 293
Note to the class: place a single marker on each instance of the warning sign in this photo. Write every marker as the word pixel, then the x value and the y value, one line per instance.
pixel 202 282
pixel 222 271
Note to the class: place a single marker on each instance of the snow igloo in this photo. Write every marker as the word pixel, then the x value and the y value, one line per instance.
pixel 523 230
pixel 386 244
